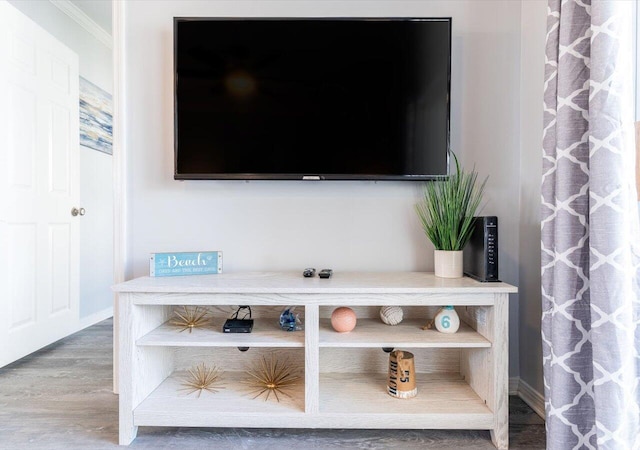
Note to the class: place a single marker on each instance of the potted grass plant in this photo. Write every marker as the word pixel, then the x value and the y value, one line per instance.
pixel 446 211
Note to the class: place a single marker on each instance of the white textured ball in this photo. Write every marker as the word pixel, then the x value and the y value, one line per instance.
pixel 391 315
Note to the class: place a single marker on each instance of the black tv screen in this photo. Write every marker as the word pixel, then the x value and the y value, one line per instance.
pixel 312 98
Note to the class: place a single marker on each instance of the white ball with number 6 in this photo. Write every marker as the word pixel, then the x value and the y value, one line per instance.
pixel 447 320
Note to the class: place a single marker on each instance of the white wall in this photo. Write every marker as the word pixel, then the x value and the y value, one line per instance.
pixel 532 88
pixel 96 185
pixel 278 225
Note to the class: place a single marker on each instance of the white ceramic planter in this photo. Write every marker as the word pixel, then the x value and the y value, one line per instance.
pixel 448 263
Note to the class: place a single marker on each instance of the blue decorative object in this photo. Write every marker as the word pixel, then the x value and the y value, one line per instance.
pixel 289 320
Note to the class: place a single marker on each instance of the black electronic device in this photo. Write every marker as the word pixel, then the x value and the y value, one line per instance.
pixel 262 98
pixel 325 273
pixel 235 325
pixel 238 326
pixel 309 272
pixel 481 252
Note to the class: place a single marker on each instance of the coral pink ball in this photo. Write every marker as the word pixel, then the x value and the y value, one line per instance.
pixel 343 319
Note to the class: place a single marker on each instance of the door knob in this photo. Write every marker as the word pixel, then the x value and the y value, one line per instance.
pixel 77 212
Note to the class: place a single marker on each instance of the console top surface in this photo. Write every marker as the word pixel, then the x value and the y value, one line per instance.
pixel 294 282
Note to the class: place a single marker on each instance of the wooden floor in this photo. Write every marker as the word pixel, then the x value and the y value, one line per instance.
pixel 61 398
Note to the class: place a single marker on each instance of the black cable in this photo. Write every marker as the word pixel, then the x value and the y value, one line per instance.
pixel 235 316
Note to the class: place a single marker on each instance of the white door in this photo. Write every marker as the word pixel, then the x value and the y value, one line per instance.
pixel 38 187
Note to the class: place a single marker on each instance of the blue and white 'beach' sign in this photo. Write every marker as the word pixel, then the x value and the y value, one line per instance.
pixel 185 263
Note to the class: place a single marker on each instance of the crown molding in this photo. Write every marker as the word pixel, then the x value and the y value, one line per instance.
pixel 84 21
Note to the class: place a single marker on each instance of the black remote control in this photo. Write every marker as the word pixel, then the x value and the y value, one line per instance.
pixel 309 272
pixel 325 273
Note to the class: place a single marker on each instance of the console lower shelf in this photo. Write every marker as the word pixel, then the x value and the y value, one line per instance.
pixel 364 393
pixel 347 400
pixel 169 405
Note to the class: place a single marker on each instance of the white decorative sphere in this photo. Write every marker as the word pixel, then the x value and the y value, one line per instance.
pixel 447 320
pixel 391 315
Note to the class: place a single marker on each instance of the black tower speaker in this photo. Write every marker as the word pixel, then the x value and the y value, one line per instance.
pixel 481 252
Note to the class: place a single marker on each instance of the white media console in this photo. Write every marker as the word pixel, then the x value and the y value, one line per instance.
pixel 462 378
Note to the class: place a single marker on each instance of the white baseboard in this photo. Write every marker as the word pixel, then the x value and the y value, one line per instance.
pixel 514 382
pixel 95 318
pixel 530 396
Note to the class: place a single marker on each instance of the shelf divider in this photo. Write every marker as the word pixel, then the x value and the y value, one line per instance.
pixel 312 359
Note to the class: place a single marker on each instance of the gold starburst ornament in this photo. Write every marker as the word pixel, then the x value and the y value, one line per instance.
pixel 273 376
pixel 202 378
pixel 189 318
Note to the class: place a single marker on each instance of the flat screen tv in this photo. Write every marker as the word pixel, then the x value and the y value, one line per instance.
pixel 334 99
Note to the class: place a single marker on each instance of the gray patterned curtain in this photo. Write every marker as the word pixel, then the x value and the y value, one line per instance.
pixel 590 237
